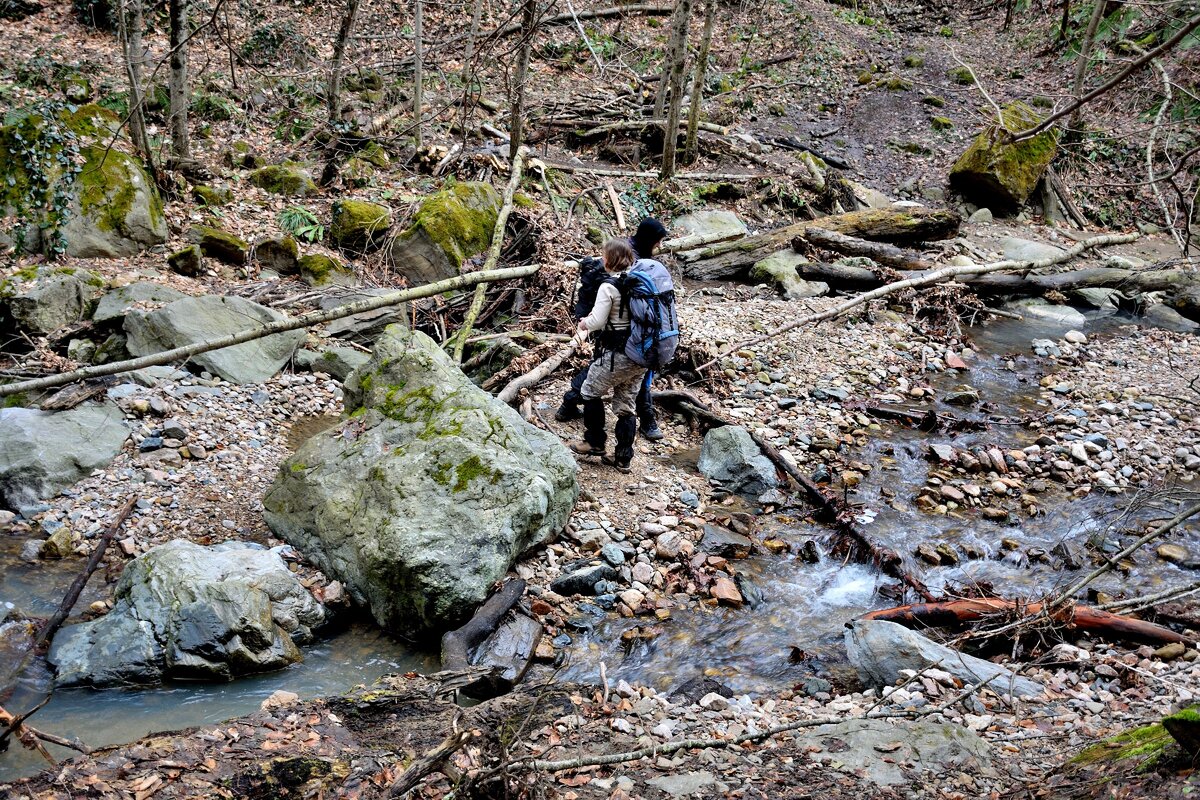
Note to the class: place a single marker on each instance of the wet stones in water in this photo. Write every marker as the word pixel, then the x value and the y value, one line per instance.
pixel 809 553
pixel 1176 554
pixel 943 453
pixel 583 580
pixel 725 592
pixel 510 649
pixel 928 553
pixel 962 395
pixel 725 543
pixel 1068 555
pixel 751 594
pixel 1045 348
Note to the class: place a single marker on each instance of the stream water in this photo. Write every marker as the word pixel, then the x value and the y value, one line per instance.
pixel 793 634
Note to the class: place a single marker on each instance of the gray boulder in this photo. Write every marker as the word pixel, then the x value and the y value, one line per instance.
pixel 44 452
pixel 187 612
pixel 881 750
pixel 1162 316
pixel 1035 308
pixel 1015 249
pixel 336 361
pixel 879 650
pixel 41 302
pixel 197 319
pixel 780 269
pixel 730 459
pixel 427 494
pixel 710 224
pixel 114 304
pixel 366 327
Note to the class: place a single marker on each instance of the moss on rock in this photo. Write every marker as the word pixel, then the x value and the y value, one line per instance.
pixel 188 261
pixel 451 226
pixel 321 270
pixel 961 76
pixel 212 195
pixel 998 175
pixel 284 180
pixel 941 123
pixel 358 225
pixel 221 245
pixel 1184 727
pixel 277 253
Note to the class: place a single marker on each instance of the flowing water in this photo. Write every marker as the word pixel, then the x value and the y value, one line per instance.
pixel 794 633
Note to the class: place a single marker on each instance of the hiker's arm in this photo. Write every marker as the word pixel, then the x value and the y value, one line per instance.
pixel 599 317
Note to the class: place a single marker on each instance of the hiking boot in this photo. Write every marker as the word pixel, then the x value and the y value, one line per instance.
pixel 620 466
pixel 651 432
pixel 567 412
pixel 587 449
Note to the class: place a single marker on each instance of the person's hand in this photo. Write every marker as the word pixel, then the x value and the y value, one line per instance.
pixel 581 335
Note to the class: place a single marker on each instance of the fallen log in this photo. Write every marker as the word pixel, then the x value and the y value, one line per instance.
pixel 881 252
pixel 250 334
pixel 927 421
pixel 895 226
pixel 927 279
pixel 833 508
pixel 539 373
pixel 458 644
pixel 1086 618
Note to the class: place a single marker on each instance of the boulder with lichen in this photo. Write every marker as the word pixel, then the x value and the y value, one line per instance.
pixel 1002 175
pixel 451 226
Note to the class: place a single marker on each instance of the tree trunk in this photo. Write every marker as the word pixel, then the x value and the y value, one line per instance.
pixel 468 70
pixel 333 94
pixel 516 130
pixel 689 145
pixel 671 130
pixel 179 78
pixel 1085 55
pixel 131 23
pixel 418 72
pixel 882 252
pixel 675 42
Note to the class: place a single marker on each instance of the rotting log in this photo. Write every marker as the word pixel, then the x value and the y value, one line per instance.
pixel 832 508
pixel 881 252
pixel 733 260
pixel 894 225
pixel 1085 618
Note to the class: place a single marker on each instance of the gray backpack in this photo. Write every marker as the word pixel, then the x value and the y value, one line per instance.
pixel 648 293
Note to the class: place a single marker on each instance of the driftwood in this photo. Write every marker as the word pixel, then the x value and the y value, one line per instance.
pixel 295 323
pixel 458 644
pixel 835 509
pixel 433 761
pixel 1084 618
pixel 539 373
pixel 895 226
pixel 925 279
pixel 927 421
pixel 882 252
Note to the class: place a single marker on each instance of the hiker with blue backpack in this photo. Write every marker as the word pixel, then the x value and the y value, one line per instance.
pixel 591 275
pixel 638 328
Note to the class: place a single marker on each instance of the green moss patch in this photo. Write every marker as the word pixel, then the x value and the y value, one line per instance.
pixel 460 219
pixel 357 224
pixel 221 245
pixel 995 174
pixel 283 180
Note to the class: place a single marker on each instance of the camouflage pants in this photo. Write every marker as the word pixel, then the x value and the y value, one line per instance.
pixel 617 374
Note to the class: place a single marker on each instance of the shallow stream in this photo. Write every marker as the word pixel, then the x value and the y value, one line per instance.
pixel 793 634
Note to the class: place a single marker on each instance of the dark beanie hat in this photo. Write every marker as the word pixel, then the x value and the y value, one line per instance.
pixel 649 233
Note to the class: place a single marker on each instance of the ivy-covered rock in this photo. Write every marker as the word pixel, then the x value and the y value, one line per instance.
pixel 321 270
pixel 427 495
pixel 185 612
pixel 450 227
pixel 358 225
pixel 188 261
pixel 997 175
pixel 221 245
pixel 73 193
pixel 114 304
pixel 279 254
pixel 198 319
pixel 40 301
pixel 282 179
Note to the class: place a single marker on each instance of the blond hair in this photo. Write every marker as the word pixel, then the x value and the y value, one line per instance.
pixel 618 255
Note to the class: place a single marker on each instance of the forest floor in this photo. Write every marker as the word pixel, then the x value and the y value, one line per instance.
pixel 862 90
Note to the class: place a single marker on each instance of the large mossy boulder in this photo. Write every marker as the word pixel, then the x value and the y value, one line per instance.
pixel 450 227
pixel 187 612
pixel 358 226
pixel 44 452
pixel 198 319
pixel 40 301
pixel 1003 176
pixel 110 207
pixel 317 269
pixel 427 494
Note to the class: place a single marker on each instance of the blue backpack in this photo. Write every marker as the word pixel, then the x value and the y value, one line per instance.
pixel 648 293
